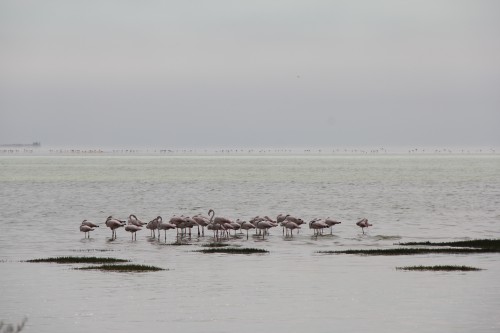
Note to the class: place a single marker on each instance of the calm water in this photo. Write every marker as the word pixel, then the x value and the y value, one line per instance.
pixel 291 289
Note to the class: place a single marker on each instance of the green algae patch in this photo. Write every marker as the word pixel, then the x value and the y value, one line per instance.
pixel 79 260
pixel 439 268
pixel 488 244
pixel 124 268
pixel 409 251
pixel 232 250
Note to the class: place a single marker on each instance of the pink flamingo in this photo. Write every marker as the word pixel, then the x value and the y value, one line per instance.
pixel 246 226
pixel 216 227
pixel 281 217
pixel 114 224
pixel 133 230
pixel 190 224
pixel 89 224
pixel 264 226
pixel 153 225
pixel 219 223
pixel 295 220
pixel 317 225
pixel 132 219
pixel 203 222
pixel 86 229
pixel 289 225
pixel 331 223
pixel 363 223
pixel 165 226
pixel 179 222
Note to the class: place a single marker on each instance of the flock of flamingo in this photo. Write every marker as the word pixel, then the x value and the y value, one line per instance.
pixel 220 226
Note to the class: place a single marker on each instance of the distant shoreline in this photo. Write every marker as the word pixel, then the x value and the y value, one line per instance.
pixel 21 145
pixel 36 150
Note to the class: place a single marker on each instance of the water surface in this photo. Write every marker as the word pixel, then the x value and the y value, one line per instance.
pixel 291 289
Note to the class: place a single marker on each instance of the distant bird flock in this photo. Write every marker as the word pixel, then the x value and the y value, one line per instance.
pixel 220 226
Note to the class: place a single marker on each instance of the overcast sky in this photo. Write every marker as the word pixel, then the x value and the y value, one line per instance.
pixel 260 73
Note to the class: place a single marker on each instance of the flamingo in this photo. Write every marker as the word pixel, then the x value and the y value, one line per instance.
pixel 86 229
pixel 216 227
pixel 267 218
pixel 264 226
pixel 201 221
pixel 295 220
pixel 281 217
pixel 153 225
pixel 228 227
pixel 331 223
pixel 114 224
pixel 179 222
pixel 317 225
pixel 246 226
pixel 89 224
pixel 132 219
pixel 165 226
pixel 133 229
pixel 363 223
pixel 190 223
pixel 221 221
pixel 256 220
pixel 290 226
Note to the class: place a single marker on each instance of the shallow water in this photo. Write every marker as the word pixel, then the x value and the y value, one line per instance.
pixel 291 289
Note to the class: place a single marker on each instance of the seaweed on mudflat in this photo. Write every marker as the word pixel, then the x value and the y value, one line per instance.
pixel 78 260
pixel 233 250
pixel 124 268
pixel 445 268
pixel 409 251
pixel 490 244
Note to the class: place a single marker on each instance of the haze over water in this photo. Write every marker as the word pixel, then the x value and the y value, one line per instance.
pixel 291 289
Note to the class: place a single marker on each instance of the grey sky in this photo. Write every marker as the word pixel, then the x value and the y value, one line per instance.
pixel 250 73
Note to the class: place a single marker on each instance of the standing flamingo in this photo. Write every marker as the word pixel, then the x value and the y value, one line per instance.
pixel 295 220
pixel 264 226
pixel 331 223
pixel 165 226
pixel 89 224
pixel 281 217
pixel 318 225
pixel 133 230
pixel 86 229
pixel 180 223
pixel 153 225
pixel 218 223
pixel 114 224
pixel 246 226
pixel 216 227
pixel 363 223
pixel 203 222
pixel 289 225
pixel 132 219
pixel 191 223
